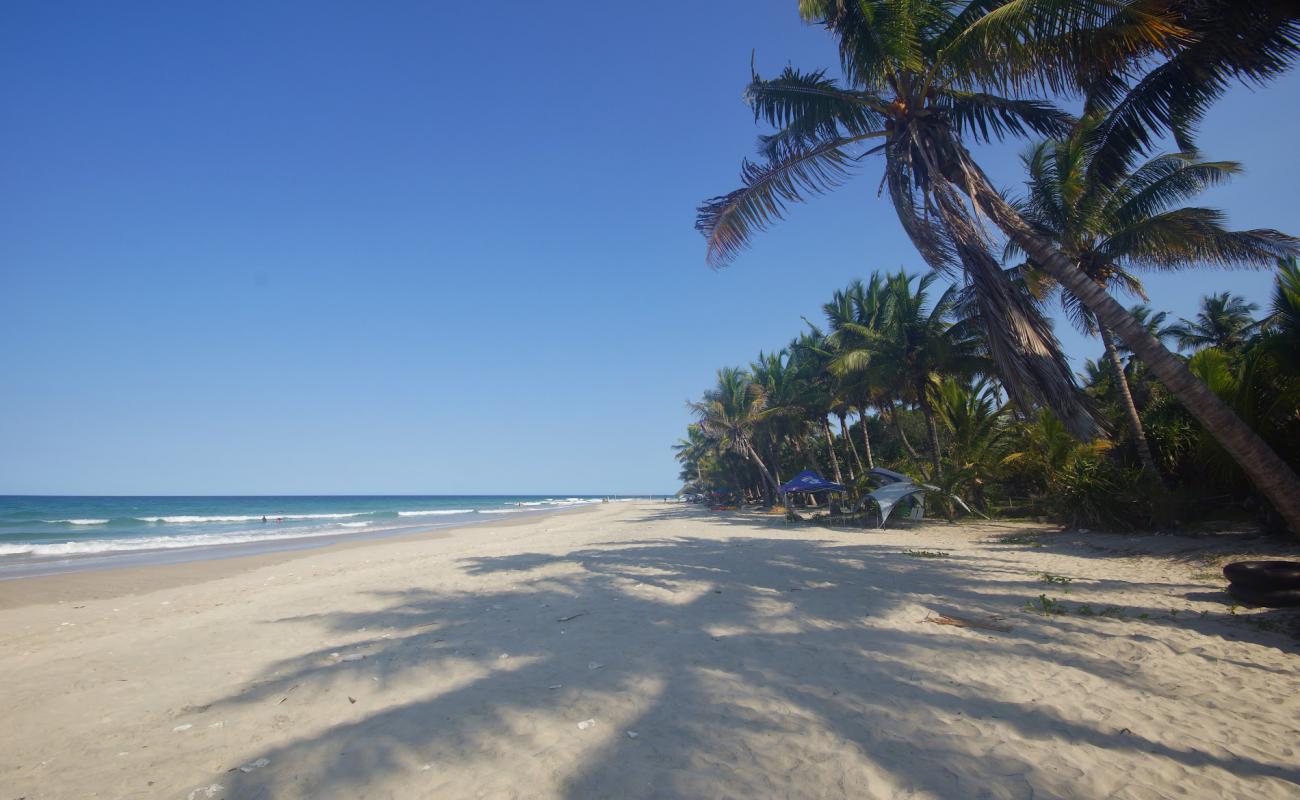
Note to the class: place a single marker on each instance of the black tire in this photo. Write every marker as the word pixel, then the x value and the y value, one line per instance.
pixel 1277 598
pixel 1265 576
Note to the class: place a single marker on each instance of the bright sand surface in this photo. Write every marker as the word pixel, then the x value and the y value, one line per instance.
pixel 648 650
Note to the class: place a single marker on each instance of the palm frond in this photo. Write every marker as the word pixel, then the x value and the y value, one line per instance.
pixel 729 221
pixel 878 39
pixel 1227 41
pixel 809 107
pixel 988 117
pixel 1189 237
pixel 1036 45
pixel 1163 181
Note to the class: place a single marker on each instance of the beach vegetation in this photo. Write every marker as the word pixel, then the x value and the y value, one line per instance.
pixel 926 553
pixel 965 385
pixel 1046 606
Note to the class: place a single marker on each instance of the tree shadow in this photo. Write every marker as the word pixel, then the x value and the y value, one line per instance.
pixel 753 663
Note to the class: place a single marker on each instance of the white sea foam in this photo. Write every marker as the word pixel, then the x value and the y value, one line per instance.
pixel 81 521
pixel 247 517
pixel 353 524
pixel 502 511
pixel 97 546
pixel 438 512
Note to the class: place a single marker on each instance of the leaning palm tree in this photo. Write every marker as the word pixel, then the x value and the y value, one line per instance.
pixel 1111 224
pixel 1225 321
pixel 729 415
pixel 924 76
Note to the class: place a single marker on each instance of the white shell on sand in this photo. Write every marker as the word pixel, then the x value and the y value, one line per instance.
pixel 586 723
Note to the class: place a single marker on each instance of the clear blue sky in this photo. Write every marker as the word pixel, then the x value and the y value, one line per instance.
pixel 419 247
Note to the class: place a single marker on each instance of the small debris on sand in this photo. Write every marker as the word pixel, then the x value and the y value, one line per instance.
pixel 586 723
pixel 964 622
pixel 252 765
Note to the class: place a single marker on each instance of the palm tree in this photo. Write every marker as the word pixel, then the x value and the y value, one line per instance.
pixel 1224 321
pixel 691 452
pixel 922 345
pixel 975 420
pixel 915 91
pixel 1112 223
pixel 922 75
pixel 812 357
pixel 1153 322
pixel 1282 328
pixel 729 414
pixel 777 377
pixel 855 316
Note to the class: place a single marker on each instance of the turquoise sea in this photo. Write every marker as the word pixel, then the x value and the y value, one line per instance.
pixel 43 535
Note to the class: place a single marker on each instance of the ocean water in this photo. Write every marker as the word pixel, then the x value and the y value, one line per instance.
pixel 41 535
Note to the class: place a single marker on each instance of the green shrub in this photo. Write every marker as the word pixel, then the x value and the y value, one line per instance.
pixel 1096 492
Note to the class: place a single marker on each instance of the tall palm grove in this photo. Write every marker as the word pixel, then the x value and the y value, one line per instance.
pixel 954 374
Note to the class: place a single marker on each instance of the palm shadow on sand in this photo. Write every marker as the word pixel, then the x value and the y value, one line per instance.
pixel 744 647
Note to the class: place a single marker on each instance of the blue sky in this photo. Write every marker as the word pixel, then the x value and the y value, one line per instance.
pixel 420 247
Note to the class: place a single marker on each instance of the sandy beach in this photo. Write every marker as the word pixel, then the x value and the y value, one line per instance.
pixel 653 650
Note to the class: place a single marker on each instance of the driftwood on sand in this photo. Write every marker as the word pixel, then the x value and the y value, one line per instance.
pixel 989 624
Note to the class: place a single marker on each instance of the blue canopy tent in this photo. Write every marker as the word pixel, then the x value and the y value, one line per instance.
pixel 809 481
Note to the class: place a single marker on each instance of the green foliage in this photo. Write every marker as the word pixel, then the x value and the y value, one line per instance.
pixel 893 363
pixel 1031 539
pixel 1096 492
pixel 1047 606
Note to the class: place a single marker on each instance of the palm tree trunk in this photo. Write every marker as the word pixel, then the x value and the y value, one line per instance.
pixel 770 482
pixel 902 435
pixel 1271 475
pixel 774 453
pixel 866 438
pixel 933 430
pixel 830 445
pixel 1126 400
pixel 844 432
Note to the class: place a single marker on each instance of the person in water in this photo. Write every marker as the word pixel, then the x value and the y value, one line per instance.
pixel 264 518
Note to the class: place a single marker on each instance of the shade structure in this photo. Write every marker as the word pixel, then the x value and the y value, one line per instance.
pixel 809 481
